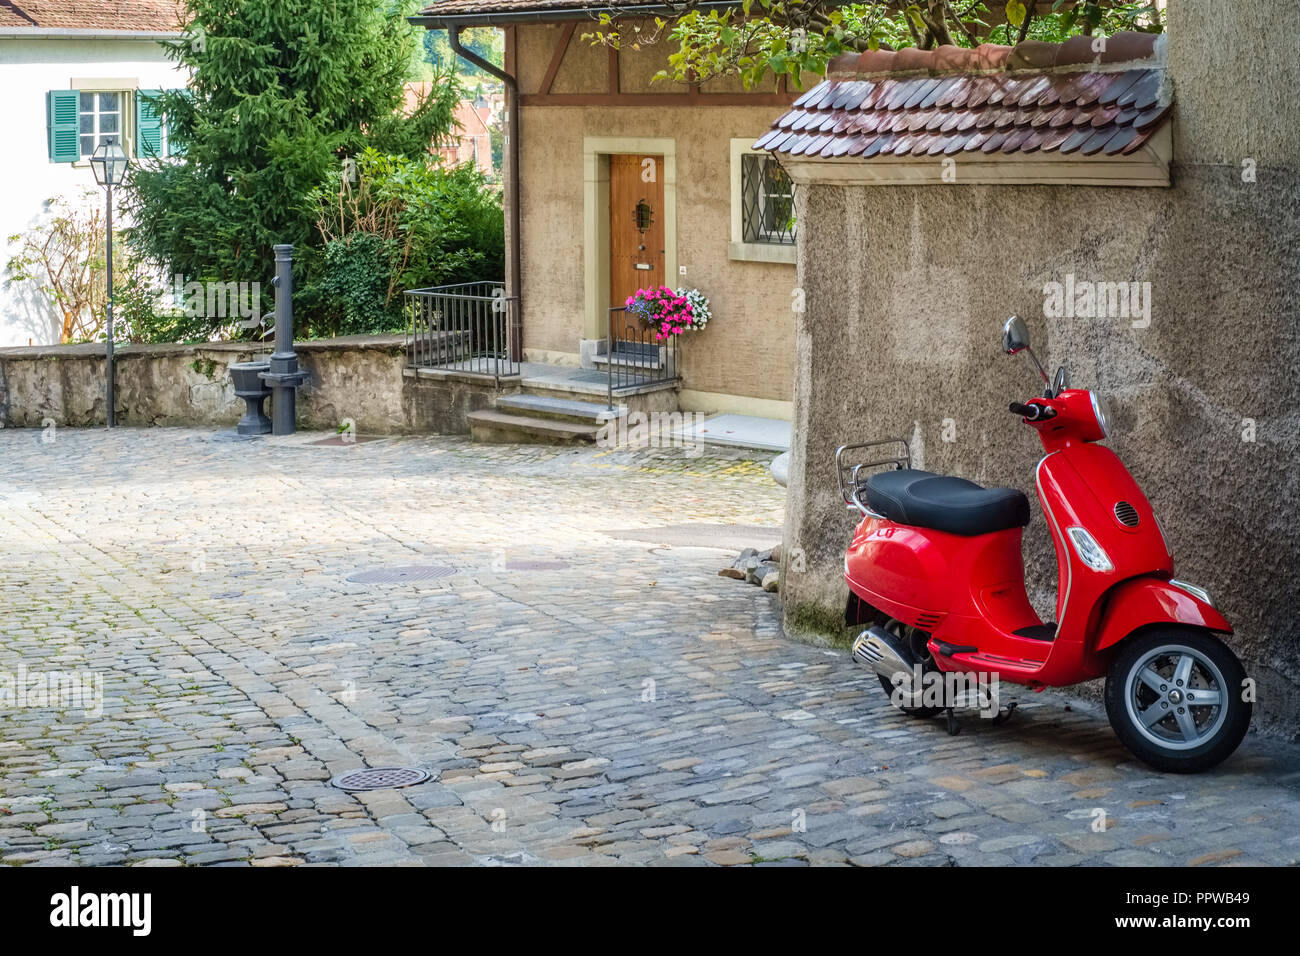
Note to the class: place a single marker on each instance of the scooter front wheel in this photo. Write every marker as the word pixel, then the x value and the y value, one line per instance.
pixel 1175 698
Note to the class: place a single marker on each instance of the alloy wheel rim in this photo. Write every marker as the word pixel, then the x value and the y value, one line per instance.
pixel 1176 697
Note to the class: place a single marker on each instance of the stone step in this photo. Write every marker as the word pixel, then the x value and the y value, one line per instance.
pixel 628 360
pixel 558 409
pixel 499 427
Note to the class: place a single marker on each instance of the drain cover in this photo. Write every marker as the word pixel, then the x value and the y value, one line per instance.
pixel 380 778
pixel 402 575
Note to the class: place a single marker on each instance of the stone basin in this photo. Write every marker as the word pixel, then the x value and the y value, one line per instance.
pixel 250 387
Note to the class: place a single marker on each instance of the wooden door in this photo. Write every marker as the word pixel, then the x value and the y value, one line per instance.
pixel 636 228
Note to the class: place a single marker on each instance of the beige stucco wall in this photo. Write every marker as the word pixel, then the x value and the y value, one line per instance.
pixel 907 288
pixel 746 350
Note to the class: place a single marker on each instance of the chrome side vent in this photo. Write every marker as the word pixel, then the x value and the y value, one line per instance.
pixel 866 653
pixel 1126 514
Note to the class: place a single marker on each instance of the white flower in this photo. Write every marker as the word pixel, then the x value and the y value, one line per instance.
pixel 699 306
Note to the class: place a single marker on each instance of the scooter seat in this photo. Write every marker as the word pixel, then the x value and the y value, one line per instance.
pixel 944 503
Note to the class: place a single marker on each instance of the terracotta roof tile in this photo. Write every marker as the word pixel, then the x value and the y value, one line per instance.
pixel 108 16
pixel 1033 55
pixel 1076 51
pixel 1036 97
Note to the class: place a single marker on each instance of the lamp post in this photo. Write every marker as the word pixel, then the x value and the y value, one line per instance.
pixel 109 164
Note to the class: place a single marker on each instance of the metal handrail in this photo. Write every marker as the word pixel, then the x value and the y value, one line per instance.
pixel 468 327
pixel 645 360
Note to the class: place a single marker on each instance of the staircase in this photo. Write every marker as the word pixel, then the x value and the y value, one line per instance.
pixel 541 419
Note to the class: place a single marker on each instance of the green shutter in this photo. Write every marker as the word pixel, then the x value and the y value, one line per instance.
pixel 61 123
pixel 148 124
pixel 175 146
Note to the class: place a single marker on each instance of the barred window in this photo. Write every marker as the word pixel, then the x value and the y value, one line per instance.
pixel 768 213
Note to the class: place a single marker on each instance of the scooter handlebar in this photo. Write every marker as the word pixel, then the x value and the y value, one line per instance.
pixel 1033 413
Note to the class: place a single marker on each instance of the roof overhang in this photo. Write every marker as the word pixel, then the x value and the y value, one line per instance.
pixel 1148 166
pixel 543 14
pixel 78 33
pixel 1036 113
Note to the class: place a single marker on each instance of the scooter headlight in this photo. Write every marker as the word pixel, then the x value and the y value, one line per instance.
pixel 1089 551
pixel 1101 411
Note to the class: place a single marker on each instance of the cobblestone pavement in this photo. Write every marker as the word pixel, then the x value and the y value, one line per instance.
pixel 580 696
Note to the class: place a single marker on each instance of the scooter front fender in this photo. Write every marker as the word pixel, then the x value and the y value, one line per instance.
pixel 1139 602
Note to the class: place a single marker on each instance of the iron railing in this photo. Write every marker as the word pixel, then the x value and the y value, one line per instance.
pixel 470 327
pixel 635 358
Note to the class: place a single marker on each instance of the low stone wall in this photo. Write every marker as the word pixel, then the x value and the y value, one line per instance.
pixel 355 377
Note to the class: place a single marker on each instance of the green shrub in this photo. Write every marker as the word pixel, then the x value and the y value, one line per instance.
pixel 281 93
pixel 402 224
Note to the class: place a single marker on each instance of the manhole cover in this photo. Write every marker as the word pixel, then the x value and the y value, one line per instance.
pixel 536 565
pixel 343 441
pixel 402 575
pixel 380 778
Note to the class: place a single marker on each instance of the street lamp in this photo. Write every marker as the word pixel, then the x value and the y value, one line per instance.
pixel 109 163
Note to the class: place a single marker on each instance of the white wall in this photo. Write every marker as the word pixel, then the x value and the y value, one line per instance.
pixel 29 68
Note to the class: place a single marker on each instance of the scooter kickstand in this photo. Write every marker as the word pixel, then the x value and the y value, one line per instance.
pixel 954 725
pixel 1005 715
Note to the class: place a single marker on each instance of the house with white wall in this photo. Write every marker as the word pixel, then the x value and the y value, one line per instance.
pixel 75 75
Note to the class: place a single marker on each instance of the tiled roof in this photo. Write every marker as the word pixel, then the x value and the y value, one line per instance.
pixel 1034 97
pixel 160 16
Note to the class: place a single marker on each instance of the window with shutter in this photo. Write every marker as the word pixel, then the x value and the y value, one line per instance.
pixel 150 134
pixel 100 118
pixel 62 120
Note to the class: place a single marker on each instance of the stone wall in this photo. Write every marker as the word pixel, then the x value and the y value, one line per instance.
pixel 907 288
pixel 356 377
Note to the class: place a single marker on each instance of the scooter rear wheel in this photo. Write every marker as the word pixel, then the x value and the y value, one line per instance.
pixel 1174 697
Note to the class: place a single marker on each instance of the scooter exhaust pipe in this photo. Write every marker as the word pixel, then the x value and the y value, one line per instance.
pixel 885 653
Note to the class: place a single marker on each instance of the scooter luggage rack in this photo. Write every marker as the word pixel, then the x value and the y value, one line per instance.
pixel 851 485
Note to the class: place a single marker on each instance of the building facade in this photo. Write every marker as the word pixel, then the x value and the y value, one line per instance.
pixel 76 77
pixel 627 183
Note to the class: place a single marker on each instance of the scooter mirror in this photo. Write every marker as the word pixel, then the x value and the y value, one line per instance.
pixel 1015 339
pixel 1060 381
pixel 1015 336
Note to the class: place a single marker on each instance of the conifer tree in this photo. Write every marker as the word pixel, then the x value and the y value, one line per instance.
pixel 282 93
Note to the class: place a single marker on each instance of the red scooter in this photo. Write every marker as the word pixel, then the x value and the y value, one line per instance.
pixel 935 568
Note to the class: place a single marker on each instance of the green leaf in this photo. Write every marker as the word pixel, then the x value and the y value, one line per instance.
pixel 1016 13
pixel 914 14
